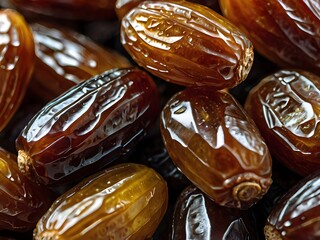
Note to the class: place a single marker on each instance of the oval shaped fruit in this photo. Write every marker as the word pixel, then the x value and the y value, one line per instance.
pixel 126 201
pixel 198 217
pixel 22 201
pixel 91 125
pixel 286 32
pixel 285 106
pixel 16 62
pixel 187 44
pixel 66 58
pixel 296 216
pixel 214 142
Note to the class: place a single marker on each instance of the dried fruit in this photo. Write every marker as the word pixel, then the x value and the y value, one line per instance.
pixel 126 201
pixel 214 142
pixel 286 105
pixel 16 62
pixel 66 58
pixel 286 32
pixel 91 125
pixel 22 201
pixel 187 43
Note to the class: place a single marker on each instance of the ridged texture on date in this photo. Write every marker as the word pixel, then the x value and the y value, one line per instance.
pixel 127 201
pixel 296 216
pixel 16 62
pixel 285 31
pixel 91 125
pixel 285 106
pixel 66 58
pixel 217 146
pixel 22 202
pixel 199 218
pixel 187 43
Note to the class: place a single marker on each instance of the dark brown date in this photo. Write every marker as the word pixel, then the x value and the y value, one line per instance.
pixel 126 201
pixel 285 106
pixel 91 125
pixel 66 58
pixel 22 202
pixel 296 216
pixel 187 44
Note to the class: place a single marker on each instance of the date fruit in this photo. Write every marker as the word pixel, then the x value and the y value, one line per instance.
pixel 89 126
pixel 66 58
pixel 214 142
pixel 285 106
pixel 286 32
pixel 187 44
pixel 126 201
pixel 296 216
pixel 16 62
pixel 22 202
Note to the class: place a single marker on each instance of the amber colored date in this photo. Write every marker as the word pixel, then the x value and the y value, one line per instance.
pixel 187 44
pixel 66 58
pixel 285 106
pixel 16 62
pixel 214 142
pixel 89 126
pixel 126 201
pixel 286 32
pixel 22 201
pixel 296 216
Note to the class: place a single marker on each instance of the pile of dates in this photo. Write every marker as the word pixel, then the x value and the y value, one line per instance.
pixel 132 119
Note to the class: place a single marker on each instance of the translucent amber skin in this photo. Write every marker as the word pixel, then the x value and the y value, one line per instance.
pixel 127 201
pixel 91 125
pixel 285 106
pixel 198 217
pixel 22 202
pixel 297 214
pixel 187 44
pixel 16 62
pixel 286 32
pixel 214 142
pixel 66 58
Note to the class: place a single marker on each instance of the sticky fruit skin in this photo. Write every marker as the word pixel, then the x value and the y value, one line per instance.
pixel 65 58
pixel 16 62
pixel 126 201
pixel 214 142
pixel 22 201
pixel 91 125
pixel 187 44
pixel 286 32
pixel 285 106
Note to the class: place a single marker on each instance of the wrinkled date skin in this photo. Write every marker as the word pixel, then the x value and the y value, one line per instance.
pixel 198 217
pixel 285 106
pixel 187 44
pixel 296 216
pixel 286 32
pixel 16 62
pixel 126 201
pixel 66 58
pixel 91 125
pixel 22 202
pixel 212 140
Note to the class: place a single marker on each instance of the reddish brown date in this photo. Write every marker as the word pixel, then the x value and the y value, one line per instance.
pixel 296 216
pixel 286 105
pixel 66 58
pixel 217 146
pixel 286 32
pixel 187 44
pixel 16 62
pixel 127 201
pixel 22 202
pixel 91 125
